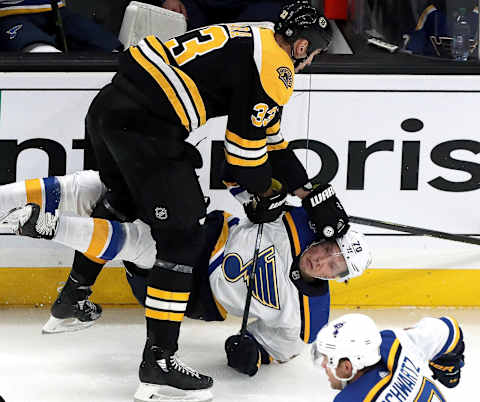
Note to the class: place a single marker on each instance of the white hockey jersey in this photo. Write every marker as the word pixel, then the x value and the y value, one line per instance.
pixel 403 374
pixel 288 311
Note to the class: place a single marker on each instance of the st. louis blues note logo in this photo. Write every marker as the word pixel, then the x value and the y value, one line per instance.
pixel 12 32
pixel 286 76
pixel 337 327
pixel 265 287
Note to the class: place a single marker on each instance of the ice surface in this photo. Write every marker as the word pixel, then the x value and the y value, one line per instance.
pixel 100 364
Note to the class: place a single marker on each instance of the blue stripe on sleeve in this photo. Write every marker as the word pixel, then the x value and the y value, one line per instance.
pixel 451 334
pixel 116 242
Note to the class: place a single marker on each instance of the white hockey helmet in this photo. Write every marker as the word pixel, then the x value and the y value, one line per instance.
pixel 356 252
pixel 351 336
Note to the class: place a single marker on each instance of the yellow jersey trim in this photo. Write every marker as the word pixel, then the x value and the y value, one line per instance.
pixel 277 147
pixel 457 334
pixel 244 143
pixel 17 11
pixel 274 129
pixel 233 160
pixel 293 231
pixel 306 313
pixel 274 64
pixel 391 360
pixel 164 84
pixel 153 42
pixel 195 94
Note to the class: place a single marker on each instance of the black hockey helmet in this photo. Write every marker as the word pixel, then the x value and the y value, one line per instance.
pixel 301 20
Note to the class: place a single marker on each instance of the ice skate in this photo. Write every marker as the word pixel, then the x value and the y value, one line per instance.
pixel 165 378
pixel 29 221
pixel 72 311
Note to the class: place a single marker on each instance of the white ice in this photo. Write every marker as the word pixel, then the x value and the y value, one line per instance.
pixel 100 364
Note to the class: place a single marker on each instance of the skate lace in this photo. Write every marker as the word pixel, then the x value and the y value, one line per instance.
pixel 87 306
pixel 178 365
pixel 46 224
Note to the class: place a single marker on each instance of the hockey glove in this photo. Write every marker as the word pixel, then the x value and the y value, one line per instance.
pixel 447 367
pixel 267 209
pixel 326 212
pixel 244 354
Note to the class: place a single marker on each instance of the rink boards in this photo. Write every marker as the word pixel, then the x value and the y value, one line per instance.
pixel 398 148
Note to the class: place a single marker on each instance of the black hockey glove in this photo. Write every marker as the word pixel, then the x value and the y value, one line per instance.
pixel 447 367
pixel 267 209
pixel 244 354
pixel 326 212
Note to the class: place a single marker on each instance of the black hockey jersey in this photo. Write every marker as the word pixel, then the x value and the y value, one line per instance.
pixel 232 70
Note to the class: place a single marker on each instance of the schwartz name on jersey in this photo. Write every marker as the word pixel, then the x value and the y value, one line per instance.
pixel 403 375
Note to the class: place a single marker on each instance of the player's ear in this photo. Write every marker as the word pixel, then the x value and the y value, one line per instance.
pixel 346 368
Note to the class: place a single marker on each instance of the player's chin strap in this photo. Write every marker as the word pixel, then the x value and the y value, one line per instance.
pixel 344 381
pixel 296 62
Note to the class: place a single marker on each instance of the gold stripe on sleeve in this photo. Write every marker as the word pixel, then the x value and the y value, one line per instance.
pixel 164 84
pixel 33 189
pixel 195 94
pixel 153 42
pixel 101 229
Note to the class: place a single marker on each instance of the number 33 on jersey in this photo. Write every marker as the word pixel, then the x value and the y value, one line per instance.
pixel 232 70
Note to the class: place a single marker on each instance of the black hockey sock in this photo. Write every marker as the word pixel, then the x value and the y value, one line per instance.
pixel 84 270
pixel 167 296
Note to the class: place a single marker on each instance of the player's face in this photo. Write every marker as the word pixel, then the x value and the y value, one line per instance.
pixel 335 383
pixel 323 261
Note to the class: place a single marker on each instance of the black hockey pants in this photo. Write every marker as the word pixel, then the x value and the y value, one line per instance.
pixel 148 166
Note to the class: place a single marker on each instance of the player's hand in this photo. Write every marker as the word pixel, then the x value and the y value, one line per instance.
pixel 269 206
pixel 326 212
pixel 447 367
pixel 243 354
pixel 175 5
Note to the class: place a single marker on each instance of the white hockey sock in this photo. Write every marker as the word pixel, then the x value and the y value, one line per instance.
pixel 104 240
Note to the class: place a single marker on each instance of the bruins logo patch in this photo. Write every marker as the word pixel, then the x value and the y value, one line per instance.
pixel 286 76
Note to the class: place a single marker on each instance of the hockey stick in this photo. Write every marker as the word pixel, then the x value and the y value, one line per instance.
pixel 414 230
pixel 61 38
pixel 251 277
pixel 390 47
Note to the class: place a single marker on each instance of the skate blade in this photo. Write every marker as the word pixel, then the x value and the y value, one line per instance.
pixel 58 325
pixel 164 393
